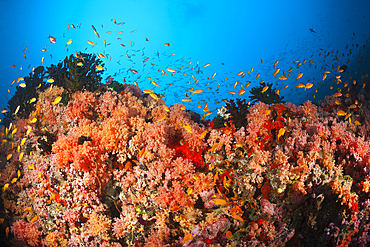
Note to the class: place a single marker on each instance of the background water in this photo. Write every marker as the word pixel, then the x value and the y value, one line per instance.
pixel 236 33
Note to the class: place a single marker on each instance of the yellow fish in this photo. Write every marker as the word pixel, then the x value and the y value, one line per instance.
pixel 281 132
pixel 265 89
pixel 69 42
pixel 5 186
pixel 57 100
pixel 154 96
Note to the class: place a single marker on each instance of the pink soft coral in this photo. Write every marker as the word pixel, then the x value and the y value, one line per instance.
pixel 26 232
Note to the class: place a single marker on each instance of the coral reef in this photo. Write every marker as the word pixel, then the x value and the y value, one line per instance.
pixel 119 168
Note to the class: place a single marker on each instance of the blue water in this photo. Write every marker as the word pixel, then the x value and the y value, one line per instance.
pixel 232 36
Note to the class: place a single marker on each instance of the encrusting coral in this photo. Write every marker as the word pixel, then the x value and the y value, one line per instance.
pixel 122 169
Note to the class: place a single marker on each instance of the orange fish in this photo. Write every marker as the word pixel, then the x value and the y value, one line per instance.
pixel 341 113
pixel 337 94
pixel 300 86
pixel 308 86
pixel 276 72
pixel 299 75
pixel 91 43
pixel 198 91
pixel 265 89
pixel 282 78
pixel 167 44
pixel 51 38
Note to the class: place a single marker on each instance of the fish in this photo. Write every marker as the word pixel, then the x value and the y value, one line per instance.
pixel 154 96
pixel 51 38
pixel 281 132
pixel 171 70
pixel 299 75
pixel 167 44
pixel 155 84
pixel 34 219
pixel 91 43
pixel 206 65
pixel 282 78
pixel 147 91
pixel 99 67
pixel 161 118
pixel 241 92
pixel 308 86
pixel 166 108
pixel 265 89
pixel 341 113
pixel 275 64
pixel 187 237
pixel 338 94
pixel 27 209
pixel 198 91
pixel 57 100
pixel 275 72
pixel 69 41
pixel 5 186
pixel 220 202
